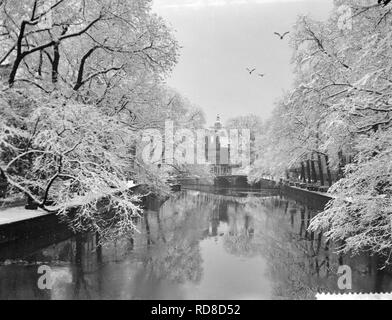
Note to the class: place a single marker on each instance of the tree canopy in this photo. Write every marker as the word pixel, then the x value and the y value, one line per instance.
pixel 80 81
pixel 341 104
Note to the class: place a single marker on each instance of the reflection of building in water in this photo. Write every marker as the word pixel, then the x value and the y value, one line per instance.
pixel 265 232
pixel 218 215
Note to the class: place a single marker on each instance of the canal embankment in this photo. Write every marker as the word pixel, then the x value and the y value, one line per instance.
pixel 315 198
pixel 17 223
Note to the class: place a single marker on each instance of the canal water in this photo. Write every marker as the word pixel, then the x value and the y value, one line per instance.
pixel 197 245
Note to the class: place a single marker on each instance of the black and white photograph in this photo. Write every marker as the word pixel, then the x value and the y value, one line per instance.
pixel 202 152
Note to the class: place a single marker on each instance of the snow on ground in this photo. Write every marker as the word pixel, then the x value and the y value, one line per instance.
pixel 10 215
pixel 15 214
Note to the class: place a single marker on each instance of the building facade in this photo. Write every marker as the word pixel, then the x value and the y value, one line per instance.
pixel 218 150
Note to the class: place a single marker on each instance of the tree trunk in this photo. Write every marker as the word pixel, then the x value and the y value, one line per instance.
pixel 15 67
pixel 147 225
pixel 320 166
pixel 303 177
pixel 314 173
pixel 56 62
pixel 328 171
pixel 342 164
pixel 308 171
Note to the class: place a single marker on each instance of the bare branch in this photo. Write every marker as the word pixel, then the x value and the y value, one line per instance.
pixel 78 86
pixel 25 154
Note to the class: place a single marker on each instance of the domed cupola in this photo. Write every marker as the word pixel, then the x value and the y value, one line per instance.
pixel 218 123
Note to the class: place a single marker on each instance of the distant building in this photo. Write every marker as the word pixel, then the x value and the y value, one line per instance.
pixel 218 149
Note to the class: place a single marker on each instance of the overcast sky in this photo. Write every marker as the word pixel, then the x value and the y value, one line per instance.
pixel 221 38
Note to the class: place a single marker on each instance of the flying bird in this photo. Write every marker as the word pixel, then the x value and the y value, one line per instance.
pixel 281 36
pixel 261 75
pixel 251 70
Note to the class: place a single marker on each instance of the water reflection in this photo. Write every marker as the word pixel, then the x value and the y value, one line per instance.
pixel 197 245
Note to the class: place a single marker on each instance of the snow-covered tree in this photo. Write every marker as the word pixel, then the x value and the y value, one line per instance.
pixel 63 155
pixel 341 105
pixel 81 80
pixel 83 45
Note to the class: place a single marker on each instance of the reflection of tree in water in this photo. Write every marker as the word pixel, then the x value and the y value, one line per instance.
pixel 178 261
pixel 244 217
pixel 184 220
pixel 175 232
pixel 80 282
pixel 301 262
pixel 270 227
pixel 89 258
pixel 239 238
pixel 297 263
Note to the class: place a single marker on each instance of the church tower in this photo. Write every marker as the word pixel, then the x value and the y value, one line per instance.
pixel 218 123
